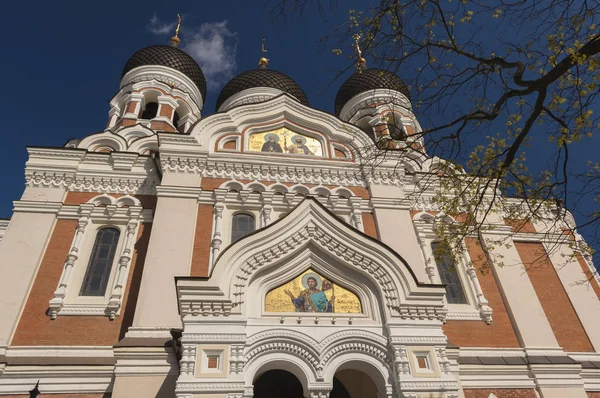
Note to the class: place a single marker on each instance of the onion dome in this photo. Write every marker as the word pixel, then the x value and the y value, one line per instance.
pixel 170 57
pixel 261 77
pixel 366 80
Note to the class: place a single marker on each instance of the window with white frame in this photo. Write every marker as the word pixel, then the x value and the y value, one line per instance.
pixel 455 293
pixel 242 224
pixel 97 266
pixel 100 263
pixel 464 296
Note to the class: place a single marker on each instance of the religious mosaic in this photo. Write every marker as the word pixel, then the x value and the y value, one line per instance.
pixel 310 292
pixel 284 140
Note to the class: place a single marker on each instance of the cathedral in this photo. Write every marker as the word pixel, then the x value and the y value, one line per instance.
pixel 253 253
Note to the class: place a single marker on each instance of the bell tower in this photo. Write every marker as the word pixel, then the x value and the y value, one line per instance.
pixel 161 87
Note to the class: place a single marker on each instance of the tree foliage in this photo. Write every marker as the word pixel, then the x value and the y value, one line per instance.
pixel 505 90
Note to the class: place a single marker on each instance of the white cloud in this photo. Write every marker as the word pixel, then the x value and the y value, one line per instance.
pixel 214 47
pixel 211 44
pixel 158 27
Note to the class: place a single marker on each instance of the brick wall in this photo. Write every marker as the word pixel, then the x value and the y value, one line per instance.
pixel 563 319
pixel 593 394
pixel 369 225
pixel 202 240
pixel 477 333
pixel 76 198
pixel 588 274
pixel 35 326
pixel 500 393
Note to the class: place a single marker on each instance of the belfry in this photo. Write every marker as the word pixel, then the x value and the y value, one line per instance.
pixel 258 252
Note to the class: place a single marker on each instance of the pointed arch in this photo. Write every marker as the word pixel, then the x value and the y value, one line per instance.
pixel 311 228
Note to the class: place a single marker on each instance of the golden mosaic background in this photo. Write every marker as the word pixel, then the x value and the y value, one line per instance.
pixel 257 140
pixel 277 301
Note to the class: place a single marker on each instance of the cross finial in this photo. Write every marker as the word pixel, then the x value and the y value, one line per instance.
pixel 178 25
pixel 263 62
pixel 175 39
pixel 361 62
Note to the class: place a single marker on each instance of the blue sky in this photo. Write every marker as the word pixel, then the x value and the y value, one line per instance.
pixel 62 63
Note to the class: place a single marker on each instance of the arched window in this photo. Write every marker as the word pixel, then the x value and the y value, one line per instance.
pixel 455 293
pixel 100 264
pixel 241 225
pixel 150 111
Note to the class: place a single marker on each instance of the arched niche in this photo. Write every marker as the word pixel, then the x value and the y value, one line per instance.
pixel 313 259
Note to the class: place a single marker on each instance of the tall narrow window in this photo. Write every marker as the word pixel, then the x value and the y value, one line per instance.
pixel 455 293
pixel 242 224
pixel 100 264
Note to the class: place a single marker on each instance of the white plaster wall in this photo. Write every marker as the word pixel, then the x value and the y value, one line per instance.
pixel 43 194
pixel 396 230
pixel 159 386
pixel 524 307
pixel 169 255
pixel 20 252
pixel 581 294
pixel 572 392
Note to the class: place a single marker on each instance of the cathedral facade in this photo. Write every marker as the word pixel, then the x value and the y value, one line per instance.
pixel 251 253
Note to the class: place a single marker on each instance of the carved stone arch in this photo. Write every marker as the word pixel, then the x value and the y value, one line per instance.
pixel 106 138
pixel 102 200
pixel 127 200
pixel 379 372
pixel 255 186
pixel 134 133
pixel 278 188
pixel 343 192
pixel 281 109
pixel 312 256
pixel 144 145
pixel 280 361
pixel 358 343
pixel 310 223
pixel 234 186
pixel 321 190
pixel 300 189
pixel 284 340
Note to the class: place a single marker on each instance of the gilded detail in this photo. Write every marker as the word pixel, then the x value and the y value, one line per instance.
pixel 310 292
pixel 284 140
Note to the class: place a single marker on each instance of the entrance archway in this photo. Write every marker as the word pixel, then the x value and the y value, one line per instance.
pixel 276 384
pixel 355 384
pixel 280 383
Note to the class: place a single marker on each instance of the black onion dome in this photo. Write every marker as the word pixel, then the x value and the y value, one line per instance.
pixel 368 79
pixel 170 57
pixel 261 78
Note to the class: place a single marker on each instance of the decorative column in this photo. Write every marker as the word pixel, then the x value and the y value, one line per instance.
pixel 166 109
pixel 217 238
pixel 356 216
pixel 429 262
pixel 57 301
pixel 116 296
pixel 186 121
pixel 267 207
pixel 482 303
pixel 133 106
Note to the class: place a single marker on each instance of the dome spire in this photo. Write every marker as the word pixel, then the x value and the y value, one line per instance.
pixel 361 63
pixel 263 62
pixel 175 39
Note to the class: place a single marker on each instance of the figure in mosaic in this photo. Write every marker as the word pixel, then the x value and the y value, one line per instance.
pixel 312 298
pixel 271 144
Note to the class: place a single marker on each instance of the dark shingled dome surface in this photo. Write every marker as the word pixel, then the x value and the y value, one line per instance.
pixel 369 79
pixel 261 78
pixel 170 57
